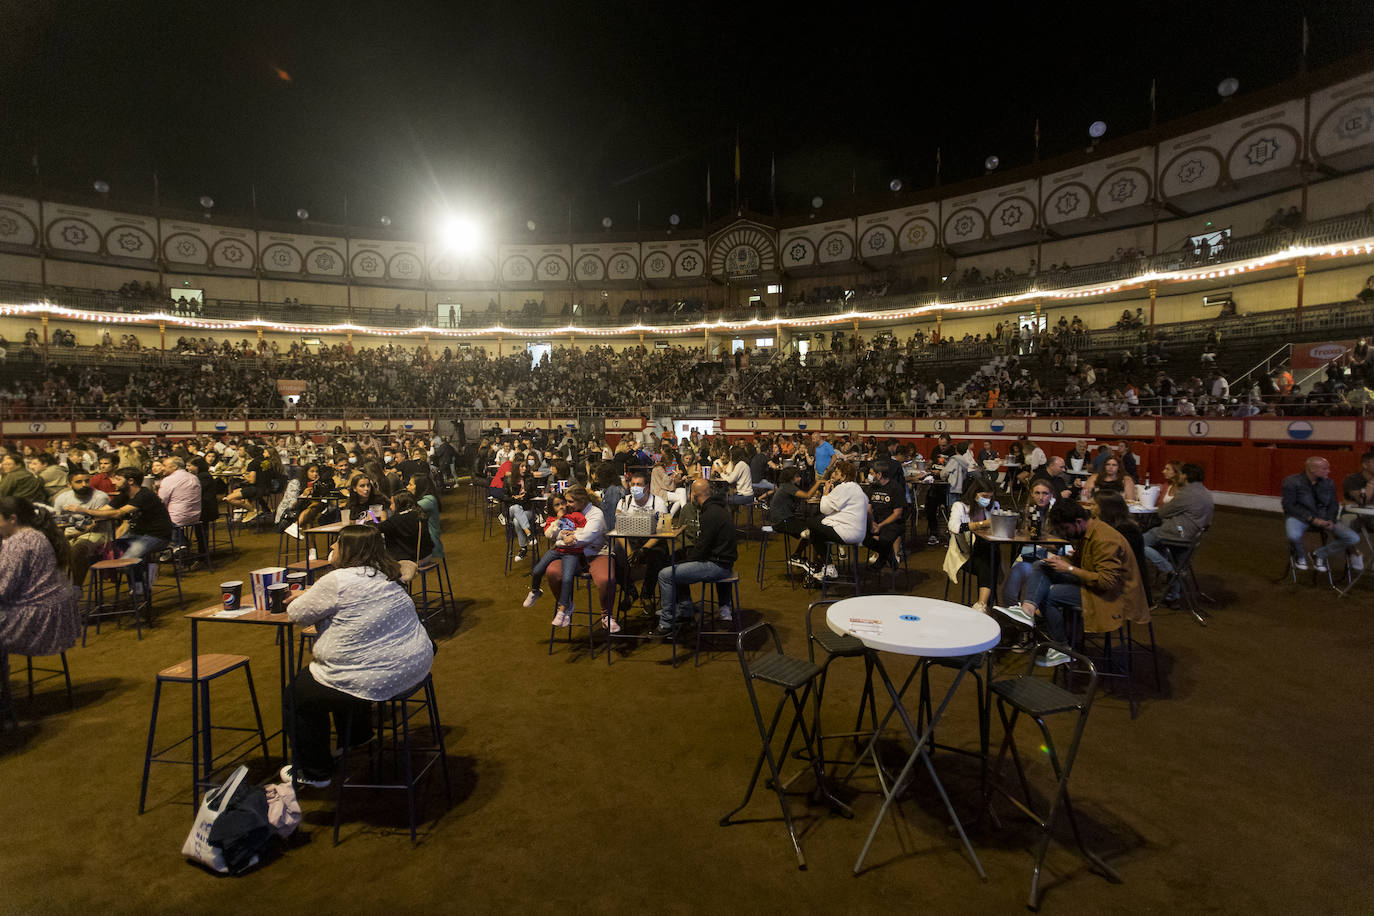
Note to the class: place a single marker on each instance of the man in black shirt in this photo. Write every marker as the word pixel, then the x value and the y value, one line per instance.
pixel 1053 471
pixel 886 508
pixel 150 527
pixel 759 471
pixel 711 559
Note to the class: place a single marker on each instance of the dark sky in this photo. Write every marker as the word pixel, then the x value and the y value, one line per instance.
pixel 519 111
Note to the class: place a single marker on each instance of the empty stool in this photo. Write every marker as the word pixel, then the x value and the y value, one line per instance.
pixel 128 571
pixel 392 739
pixel 797 677
pixel 1039 699
pixel 840 645
pixel 208 668
pixel 768 534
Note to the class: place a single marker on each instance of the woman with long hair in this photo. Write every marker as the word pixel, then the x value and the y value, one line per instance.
pixel 972 512
pixel 38 605
pixel 578 540
pixel 406 533
pixel 371 647
pixel 1110 506
pixel 1112 477
pixel 427 498
pixel 363 499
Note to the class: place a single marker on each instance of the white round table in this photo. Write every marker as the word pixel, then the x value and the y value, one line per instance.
pixel 926 627
pixel 912 625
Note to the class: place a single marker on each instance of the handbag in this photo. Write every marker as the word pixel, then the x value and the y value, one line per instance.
pixel 956 556
pixel 199 846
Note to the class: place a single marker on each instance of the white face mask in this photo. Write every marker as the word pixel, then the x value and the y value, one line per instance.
pixel 637 493
pixel 352 459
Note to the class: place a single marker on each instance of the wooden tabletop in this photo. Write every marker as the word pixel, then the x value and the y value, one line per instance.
pixel 244 614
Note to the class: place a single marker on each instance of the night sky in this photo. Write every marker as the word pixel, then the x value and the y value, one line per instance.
pixel 520 112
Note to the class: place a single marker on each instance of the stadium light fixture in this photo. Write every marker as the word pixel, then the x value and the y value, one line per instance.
pixel 102 187
pixel 386 222
pixel 460 234
pixel 1227 87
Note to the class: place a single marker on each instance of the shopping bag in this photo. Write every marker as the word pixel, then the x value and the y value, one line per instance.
pixel 283 810
pixel 212 806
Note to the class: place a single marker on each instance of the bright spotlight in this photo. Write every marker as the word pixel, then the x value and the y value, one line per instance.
pixel 458 233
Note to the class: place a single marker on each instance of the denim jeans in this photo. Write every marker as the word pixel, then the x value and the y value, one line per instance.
pixel 569 577
pixel 1158 558
pixel 1342 538
pixel 739 499
pixel 1050 592
pixel 688 573
pixel 520 517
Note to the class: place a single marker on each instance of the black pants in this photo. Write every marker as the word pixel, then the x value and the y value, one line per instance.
pixel 311 703
pixel 654 559
pixel 935 501
pixel 883 541
pixel 821 534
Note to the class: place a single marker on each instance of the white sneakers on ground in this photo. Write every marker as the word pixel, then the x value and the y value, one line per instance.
pixel 1319 563
pixel 725 613
pixel 610 623
pixel 980 607
pixel 1300 563
pixel 532 597
pixel 1356 562
pixel 562 619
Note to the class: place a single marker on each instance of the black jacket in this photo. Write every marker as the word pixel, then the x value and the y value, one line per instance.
pixel 716 542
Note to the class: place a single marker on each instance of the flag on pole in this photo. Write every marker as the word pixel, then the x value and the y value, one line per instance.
pixel 773 182
pixel 157 192
pixel 1304 39
pixel 736 155
pixel 937 165
pixel 708 190
pixel 1037 139
pixel 1153 81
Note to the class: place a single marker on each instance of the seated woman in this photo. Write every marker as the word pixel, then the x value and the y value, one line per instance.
pixel 255 486
pixel 427 498
pixel 1111 477
pixel 364 502
pixel 577 536
pixel 520 487
pixel 406 531
pixel 972 512
pixel 371 647
pixel 38 605
pixel 844 511
pixel 301 503
pixel 740 479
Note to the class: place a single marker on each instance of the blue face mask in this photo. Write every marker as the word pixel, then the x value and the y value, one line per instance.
pixel 637 493
pixel 985 501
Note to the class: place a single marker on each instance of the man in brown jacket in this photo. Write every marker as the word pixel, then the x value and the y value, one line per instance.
pixel 1102 581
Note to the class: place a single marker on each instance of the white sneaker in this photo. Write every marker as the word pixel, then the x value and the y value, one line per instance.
pixel 799 563
pixel 301 780
pixel 1300 563
pixel 1318 563
pixel 562 620
pixel 610 623
pixel 872 559
pixel 1052 658
pixel 1356 562
pixel 830 572
pixel 293 532
pixel 1016 613
pixel 725 613
pixel 980 607
pixel 532 597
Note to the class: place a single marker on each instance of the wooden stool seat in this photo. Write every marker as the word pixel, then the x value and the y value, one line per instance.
pixel 209 666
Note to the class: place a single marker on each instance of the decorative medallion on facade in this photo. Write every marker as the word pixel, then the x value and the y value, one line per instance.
pixel 1121 190
pixel 75 236
pixel 232 253
pixel 1356 122
pixel 1011 215
pixel 369 264
pixel 1068 203
pixel 324 261
pixel 130 242
pixel 1262 151
pixel 658 264
pixel 1190 170
pixel 8 226
pixel 186 248
pixel 797 252
pixel 835 247
pixel 963 225
pixel 281 257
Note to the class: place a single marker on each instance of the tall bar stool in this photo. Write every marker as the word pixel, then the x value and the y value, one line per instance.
pixel 190 543
pixel 797 679
pixel 126 571
pixel 708 610
pixel 840 645
pixel 50 673
pixel 768 533
pixel 831 555
pixel 208 668
pixel 435 599
pixel 591 608
pixel 1038 699
pixel 392 739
